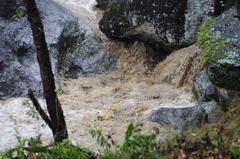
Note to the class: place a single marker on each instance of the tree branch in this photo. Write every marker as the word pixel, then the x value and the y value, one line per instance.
pixel 39 109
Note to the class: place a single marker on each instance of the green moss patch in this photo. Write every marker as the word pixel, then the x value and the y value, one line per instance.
pixel 211 46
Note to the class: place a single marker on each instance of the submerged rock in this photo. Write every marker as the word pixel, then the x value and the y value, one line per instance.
pixel 72 45
pixel 164 24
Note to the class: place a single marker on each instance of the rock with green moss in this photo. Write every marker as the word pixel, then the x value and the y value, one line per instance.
pixel 220 42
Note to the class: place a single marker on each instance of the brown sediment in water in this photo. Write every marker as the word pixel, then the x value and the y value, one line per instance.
pixel 113 100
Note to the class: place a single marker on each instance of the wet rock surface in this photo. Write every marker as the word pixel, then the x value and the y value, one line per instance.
pixel 185 117
pixel 174 117
pixel 224 72
pixel 205 91
pixel 72 45
pixel 164 24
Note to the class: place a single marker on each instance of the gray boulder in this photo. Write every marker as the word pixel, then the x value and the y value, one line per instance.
pixel 221 51
pixel 164 24
pixel 224 64
pixel 174 117
pixel 72 45
pixel 206 91
pixel 185 117
pixel 204 88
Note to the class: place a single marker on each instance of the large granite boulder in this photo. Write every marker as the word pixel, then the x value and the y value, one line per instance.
pixel 220 43
pixel 224 65
pixel 72 44
pixel 164 24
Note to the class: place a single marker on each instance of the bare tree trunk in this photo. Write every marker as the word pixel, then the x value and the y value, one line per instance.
pixel 56 121
pixel 238 7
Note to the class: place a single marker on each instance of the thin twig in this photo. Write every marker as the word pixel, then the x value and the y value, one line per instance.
pixel 39 109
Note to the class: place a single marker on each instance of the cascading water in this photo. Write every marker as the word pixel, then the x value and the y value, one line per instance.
pixel 109 101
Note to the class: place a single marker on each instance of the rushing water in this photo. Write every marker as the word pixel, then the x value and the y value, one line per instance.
pixel 110 101
pixel 82 8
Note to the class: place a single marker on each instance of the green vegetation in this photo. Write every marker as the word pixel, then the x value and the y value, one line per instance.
pixel 211 46
pixel 32 111
pixel 218 139
pixel 59 91
pixel 18 14
pixel 135 145
pixel 36 150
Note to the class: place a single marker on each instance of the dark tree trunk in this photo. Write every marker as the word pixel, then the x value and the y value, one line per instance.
pixel 238 7
pixel 57 121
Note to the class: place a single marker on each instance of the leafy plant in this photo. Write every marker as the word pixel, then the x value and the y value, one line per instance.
pixel 235 150
pixel 135 144
pixel 104 142
pixel 64 150
pixel 18 14
pixel 17 152
pixel 59 91
pixel 32 112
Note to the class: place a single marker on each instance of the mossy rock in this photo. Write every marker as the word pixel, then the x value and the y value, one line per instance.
pixel 220 43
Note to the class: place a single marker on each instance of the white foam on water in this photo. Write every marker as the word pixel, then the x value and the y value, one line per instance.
pixel 14 119
pixel 81 8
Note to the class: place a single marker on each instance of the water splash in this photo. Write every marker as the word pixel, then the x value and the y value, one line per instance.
pixel 81 8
